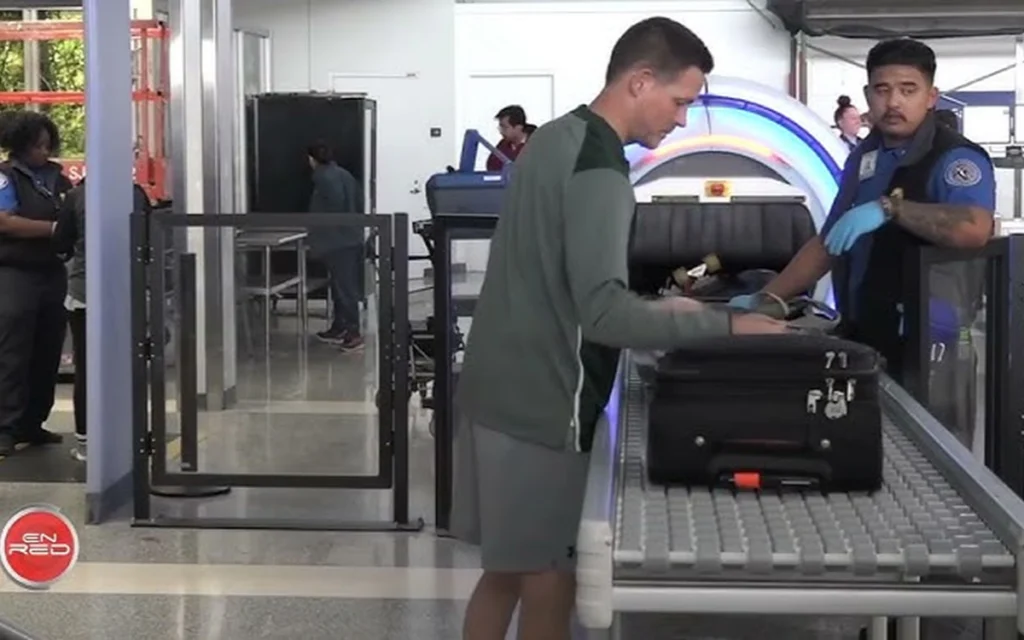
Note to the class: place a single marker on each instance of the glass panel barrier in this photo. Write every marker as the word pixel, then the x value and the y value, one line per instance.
pixel 964 362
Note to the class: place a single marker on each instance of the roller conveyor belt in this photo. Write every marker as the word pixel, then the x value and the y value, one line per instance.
pixel 941 518
pixel 915 526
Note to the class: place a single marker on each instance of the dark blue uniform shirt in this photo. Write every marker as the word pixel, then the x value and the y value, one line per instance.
pixel 46 181
pixel 961 177
pixel 8 196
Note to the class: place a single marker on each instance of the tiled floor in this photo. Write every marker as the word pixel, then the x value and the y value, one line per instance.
pixel 157 583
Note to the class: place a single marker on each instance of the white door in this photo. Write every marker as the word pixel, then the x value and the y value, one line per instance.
pixel 407 154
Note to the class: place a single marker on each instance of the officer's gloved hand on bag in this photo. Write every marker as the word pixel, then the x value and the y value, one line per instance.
pixel 745 302
pixel 763 303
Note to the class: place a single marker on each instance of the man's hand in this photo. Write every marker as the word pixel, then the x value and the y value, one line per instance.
pixel 858 221
pixel 753 323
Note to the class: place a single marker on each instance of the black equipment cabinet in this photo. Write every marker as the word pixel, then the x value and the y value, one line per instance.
pixel 279 129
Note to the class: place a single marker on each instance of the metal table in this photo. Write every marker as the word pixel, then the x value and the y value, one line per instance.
pixel 267 242
pixel 940 539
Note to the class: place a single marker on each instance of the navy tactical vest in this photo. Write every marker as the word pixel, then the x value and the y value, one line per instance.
pixel 36 201
pixel 881 293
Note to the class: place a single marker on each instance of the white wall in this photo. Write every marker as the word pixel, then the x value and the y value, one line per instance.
pixel 400 52
pixel 960 61
pixel 504 49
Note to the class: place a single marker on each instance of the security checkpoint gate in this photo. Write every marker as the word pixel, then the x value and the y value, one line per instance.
pixel 155 270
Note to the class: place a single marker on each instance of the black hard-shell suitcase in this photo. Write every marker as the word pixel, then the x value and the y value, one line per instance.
pixel 756 412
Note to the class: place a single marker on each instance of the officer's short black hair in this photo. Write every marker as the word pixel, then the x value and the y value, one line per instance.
pixel 516 115
pixel 903 51
pixel 321 152
pixel 948 118
pixel 20 131
pixel 663 45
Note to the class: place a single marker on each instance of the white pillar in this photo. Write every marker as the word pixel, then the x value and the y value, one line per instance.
pixel 108 143
pixel 202 155
pixel 227 114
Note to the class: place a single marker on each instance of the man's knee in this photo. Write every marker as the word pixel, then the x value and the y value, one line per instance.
pixel 501 582
pixel 554 590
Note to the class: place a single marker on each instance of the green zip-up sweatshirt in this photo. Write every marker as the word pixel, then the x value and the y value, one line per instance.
pixel 555 308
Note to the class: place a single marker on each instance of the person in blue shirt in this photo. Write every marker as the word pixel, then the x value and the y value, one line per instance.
pixel 911 182
pixel 36 237
pixel 342 248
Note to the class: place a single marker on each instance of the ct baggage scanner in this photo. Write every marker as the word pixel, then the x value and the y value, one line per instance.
pixel 941 539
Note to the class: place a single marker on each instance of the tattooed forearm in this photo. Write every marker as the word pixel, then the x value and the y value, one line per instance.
pixel 945 224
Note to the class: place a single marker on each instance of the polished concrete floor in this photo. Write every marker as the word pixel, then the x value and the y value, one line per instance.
pixel 308 410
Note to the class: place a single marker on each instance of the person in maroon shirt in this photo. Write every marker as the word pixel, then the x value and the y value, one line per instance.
pixel 512 127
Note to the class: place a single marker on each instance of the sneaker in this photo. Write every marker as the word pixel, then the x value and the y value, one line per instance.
pixel 332 336
pixel 352 343
pixel 78 453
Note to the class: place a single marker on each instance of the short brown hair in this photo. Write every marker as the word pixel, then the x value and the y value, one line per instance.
pixel 664 45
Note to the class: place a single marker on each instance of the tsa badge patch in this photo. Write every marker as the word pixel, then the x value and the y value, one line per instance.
pixel 3 180
pixel 963 173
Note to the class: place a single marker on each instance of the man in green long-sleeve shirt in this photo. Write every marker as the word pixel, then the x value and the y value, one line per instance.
pixel 552 317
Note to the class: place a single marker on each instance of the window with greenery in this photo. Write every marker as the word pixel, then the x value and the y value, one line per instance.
pixel 62 68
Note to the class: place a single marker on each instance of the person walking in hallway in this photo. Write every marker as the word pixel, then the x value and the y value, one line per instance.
pixel 341 248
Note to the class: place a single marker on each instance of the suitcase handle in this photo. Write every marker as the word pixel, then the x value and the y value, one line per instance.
pixel 757 481
pixel 768 471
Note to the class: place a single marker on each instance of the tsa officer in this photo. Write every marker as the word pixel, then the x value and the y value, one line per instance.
pixel 911 182
pixel 35 239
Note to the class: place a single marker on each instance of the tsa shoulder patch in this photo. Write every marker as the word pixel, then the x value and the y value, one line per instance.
pixel 3 180
pixel 962 172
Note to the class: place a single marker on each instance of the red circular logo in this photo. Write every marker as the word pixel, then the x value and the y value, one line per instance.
pixel 40 546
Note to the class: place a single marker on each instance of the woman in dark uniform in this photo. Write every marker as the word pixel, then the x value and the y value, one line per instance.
pixel 36 237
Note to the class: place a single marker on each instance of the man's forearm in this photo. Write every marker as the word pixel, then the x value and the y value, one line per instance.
pixel 617 317
pixel 947 225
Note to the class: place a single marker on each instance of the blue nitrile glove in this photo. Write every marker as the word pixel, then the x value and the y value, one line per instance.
pixel 853 224
pixel 746 302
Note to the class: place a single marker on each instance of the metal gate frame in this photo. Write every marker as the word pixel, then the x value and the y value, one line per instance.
pixel 149 267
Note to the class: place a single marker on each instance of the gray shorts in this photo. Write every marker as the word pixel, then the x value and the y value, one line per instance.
pixel 519 502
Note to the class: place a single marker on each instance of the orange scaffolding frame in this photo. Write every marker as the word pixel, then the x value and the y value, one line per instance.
pixel 150 84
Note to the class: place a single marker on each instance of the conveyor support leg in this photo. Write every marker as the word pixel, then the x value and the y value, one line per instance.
pixel 878 629
pixel 612 633
pixel 615 633
pixel 908 629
